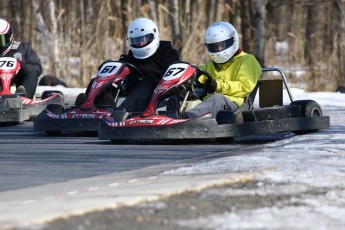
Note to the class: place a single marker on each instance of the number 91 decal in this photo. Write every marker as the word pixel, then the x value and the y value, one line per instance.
pixel 175 71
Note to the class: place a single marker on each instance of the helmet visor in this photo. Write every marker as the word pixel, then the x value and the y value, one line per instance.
pixel 220 46
pixel 139 42
pixel 5 40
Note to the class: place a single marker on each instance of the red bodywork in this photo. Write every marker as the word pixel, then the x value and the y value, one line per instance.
pixel 176 75
pixel 111 73
pixel 9 67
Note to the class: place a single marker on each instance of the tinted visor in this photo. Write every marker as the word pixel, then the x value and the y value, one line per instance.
pixel 5 40
pixel 220 46
pixel 141 41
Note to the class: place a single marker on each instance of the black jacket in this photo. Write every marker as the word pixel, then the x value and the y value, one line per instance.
pixel 157 64
pixel 30 63
pixel 31 67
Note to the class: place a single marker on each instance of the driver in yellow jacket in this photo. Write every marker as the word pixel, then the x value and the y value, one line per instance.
pixel 234 72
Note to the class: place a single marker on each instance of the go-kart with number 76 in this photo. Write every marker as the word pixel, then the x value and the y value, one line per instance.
pixel 102 97
pixel 16 107
pixel 299 117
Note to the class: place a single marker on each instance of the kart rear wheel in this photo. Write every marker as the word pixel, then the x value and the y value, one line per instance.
pixel 309 108
pixel 48 93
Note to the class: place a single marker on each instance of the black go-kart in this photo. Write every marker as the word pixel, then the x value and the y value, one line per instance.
pixel 271 115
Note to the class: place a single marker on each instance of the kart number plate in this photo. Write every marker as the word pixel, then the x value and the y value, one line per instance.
pixel 109 68
pixel 7 63
pixel 175 71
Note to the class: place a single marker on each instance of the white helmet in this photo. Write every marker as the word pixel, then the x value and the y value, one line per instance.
pixel 221 40
pixel 6 37
pixel 143 37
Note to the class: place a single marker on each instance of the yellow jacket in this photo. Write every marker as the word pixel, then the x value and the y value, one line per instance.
pixel 235 78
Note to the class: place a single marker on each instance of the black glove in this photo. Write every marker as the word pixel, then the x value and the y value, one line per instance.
pixel 210 86
pixel 106 61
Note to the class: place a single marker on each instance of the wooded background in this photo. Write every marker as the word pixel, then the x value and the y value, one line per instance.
pixel 306 38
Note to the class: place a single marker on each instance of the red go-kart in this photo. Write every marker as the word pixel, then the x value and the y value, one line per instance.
pixel 16 107
pixel 102 97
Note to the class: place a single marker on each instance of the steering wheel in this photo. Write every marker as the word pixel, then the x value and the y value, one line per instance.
pixel 197 83
pixel 136 69
pixel 201 72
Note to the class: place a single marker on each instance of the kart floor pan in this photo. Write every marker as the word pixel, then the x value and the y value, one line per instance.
pixel 207 131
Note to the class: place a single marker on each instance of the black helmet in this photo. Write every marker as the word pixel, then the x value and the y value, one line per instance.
pixel 6 36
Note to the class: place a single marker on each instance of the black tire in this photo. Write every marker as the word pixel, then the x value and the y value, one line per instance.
pixel 48 93
pixel 225 117
pixel 55 108
pixel 309 108
pixel 225 140
pixel 53 133
pixel 118 142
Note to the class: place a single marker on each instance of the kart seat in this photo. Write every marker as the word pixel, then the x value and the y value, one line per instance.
pixel 230 117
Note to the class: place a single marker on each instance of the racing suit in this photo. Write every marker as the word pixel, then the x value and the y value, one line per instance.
pixel 31 67
pixel 153 69
pixel 235 80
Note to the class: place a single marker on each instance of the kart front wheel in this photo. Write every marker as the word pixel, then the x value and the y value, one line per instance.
pixel 55 108
pixel 48 93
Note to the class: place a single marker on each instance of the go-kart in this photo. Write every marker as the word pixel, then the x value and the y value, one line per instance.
pixel 102 97
pixel 16 107
pixel 299 117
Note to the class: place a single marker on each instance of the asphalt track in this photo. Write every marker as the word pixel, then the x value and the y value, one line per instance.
pixel 36 168
pixel 29 158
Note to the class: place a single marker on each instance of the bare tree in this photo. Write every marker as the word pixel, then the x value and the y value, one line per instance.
pixel 260 30
pixel 41 27
pixel 54 39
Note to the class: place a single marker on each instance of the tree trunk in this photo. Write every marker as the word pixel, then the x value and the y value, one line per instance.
pixel 246 27
pixel 41 28
pixel 54 38
pixel 260 30
pixel 340 9
pixel 176 24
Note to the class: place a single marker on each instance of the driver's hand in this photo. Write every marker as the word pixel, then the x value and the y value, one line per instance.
pixel 210 86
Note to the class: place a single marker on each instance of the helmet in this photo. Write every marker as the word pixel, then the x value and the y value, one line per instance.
pixel 221 40
pixel 6 36
pixel 143 37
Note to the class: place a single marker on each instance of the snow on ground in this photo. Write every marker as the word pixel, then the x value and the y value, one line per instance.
pixel 313 162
